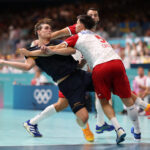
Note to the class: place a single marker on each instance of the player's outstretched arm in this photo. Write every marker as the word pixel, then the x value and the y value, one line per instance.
pixel 38 52
pixel 61 49
pixel 60 33
pixel 25 66
pixel 57 34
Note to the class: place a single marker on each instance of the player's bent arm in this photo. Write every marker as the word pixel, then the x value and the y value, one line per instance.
pixel 146 92
pixel 49 52
pixel 27 65
pixel 60 33
pixel 37 52
pixel 57 34
pixel 60 49
pixel 63 51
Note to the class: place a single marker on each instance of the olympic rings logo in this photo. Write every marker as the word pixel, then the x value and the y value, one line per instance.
pixel 42 96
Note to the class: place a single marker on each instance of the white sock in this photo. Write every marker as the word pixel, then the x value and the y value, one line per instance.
pixel 142 104
pixel 133 114
pixel 115 123
pixel 100 113
pixel 80 123
pixel 84 127
pixel 48 111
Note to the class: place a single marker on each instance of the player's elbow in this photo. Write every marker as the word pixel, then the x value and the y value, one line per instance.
pixel 27 67
pixel 73 51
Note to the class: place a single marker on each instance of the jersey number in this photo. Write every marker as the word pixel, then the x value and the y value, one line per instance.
pixel 104 44
pixel 101 39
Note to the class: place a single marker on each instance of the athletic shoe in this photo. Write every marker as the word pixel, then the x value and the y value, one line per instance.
pixel 120 135
pixel 32 129
pixel 136 136
pixel 89 136
pixel 105 127
pixel 147 110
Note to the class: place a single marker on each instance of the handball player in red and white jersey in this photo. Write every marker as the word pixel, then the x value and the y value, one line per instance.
pixel 101 125
pixel 108 72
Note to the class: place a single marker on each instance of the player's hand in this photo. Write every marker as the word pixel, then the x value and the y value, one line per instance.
pixel 23 51
pixel 143 95
pixel 44 49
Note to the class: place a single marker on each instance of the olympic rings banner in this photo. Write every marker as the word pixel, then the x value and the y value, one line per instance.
pixel 34 97
pixel 1 95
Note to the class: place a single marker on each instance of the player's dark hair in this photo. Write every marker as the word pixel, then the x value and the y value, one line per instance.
pixel 87 21
pixel 92 8
pixel 40 22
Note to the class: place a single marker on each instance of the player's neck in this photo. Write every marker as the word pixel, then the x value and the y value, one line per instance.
pixel 94 28
pixel 43 41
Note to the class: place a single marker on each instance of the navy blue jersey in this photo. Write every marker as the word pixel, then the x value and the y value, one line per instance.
pixel 56 66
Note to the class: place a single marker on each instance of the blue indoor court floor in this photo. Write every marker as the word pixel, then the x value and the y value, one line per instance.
pixel 60 132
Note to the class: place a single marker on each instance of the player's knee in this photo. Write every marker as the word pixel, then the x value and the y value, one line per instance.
pixel 128 101
pixel 85 119
pixel 83 116
pixel 104 102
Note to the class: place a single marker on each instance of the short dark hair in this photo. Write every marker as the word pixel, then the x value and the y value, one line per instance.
pixel 87 21
pixel 92 8
pixel 40 22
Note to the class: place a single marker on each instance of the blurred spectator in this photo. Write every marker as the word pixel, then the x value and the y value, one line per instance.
pixel 146 93
pixel 139 86
pixel 39 78
pixel 16 24
pixel 139 82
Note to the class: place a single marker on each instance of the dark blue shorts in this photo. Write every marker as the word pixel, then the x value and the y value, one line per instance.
pixel 75 87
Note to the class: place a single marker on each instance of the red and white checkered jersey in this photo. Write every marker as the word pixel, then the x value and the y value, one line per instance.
pixel 93 47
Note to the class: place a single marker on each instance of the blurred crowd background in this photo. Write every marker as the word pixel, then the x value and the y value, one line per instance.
pixel 123 23
pixel 127 20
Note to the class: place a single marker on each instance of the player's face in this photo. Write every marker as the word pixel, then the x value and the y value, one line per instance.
pixel 79 26
pixel 94 15
pixel 45 31
pixel 141 72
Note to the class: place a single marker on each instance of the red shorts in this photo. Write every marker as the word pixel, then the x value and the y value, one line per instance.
pixel 60 95
pixel 111 77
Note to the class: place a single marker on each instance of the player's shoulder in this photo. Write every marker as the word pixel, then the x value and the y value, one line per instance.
pixel 32 48
pixel 55 42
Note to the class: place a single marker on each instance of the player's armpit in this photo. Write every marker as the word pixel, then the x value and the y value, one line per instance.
pixel 82 63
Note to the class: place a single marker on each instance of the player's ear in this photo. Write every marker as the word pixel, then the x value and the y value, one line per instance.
pixel 38 32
